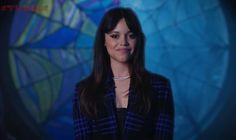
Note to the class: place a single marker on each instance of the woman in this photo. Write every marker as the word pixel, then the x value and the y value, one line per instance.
pixel 121 100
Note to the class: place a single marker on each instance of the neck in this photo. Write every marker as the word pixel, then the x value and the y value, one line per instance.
pixel 120 69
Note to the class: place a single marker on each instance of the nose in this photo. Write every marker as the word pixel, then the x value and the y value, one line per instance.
pixel 124 41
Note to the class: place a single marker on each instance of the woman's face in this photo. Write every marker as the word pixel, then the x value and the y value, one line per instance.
pixel 120 42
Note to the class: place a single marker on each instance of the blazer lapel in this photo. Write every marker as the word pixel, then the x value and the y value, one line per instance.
pixel 134 121
pixel 109 101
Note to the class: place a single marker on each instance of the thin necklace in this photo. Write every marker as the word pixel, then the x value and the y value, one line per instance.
pixel 121 77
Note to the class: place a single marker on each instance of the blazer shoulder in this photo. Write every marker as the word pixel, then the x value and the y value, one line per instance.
pixel 157 78
pixel 82 83
pixel 80 86
pixel 161 87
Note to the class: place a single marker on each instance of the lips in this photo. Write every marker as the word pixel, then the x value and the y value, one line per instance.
pixel 124 49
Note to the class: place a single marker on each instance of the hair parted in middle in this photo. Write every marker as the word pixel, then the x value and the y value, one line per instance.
pixel 90 96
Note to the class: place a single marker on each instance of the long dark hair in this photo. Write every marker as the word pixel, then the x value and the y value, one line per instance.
pixel 91 90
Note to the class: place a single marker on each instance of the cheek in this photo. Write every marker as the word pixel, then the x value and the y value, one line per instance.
pixel 133 45
pixel 110 47
pixel 109 42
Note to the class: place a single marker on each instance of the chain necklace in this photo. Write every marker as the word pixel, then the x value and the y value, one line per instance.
pixel 121 77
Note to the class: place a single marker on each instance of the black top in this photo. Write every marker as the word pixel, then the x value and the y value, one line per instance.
pixel 157 124
pixel 121 112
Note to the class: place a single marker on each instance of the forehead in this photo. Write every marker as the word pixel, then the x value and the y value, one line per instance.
pixel 121 27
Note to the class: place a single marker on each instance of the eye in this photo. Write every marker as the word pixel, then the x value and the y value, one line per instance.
pixel 132 36
pixel 115 36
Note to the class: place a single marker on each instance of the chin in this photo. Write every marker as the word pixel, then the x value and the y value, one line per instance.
pixel 122 60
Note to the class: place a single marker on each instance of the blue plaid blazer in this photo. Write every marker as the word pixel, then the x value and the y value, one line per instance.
pixel 157 124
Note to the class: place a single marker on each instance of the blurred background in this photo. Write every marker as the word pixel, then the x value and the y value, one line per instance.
pixel 46 48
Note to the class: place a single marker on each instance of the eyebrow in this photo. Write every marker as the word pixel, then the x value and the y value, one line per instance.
pixel 119 32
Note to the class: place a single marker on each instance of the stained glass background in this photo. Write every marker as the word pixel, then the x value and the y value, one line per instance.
pixel 51 49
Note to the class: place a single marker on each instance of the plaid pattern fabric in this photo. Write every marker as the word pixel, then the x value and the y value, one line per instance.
pixel 158 124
